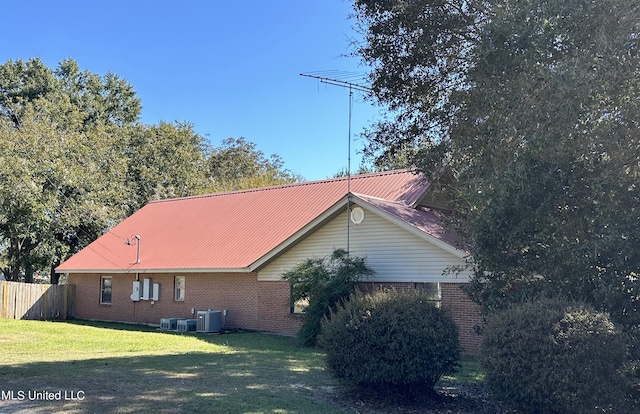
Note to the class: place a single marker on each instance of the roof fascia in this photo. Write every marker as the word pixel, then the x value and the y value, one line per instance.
pixel 177 270
pixel 300 234
pixel 408 227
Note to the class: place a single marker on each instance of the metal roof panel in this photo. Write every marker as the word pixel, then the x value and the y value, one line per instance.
pixel 230 230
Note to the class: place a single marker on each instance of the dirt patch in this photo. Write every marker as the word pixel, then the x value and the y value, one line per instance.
pixel 466 398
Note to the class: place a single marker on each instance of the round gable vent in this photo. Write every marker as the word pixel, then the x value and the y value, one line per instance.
pixel 357 215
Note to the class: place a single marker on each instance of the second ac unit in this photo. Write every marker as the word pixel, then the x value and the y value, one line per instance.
pixel 187 325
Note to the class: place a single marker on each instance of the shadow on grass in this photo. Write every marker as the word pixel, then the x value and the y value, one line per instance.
pixel 246 372
pixel 272 377
pixel 112 325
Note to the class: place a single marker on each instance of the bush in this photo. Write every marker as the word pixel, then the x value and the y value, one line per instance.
pixel 323 283
pixel 552 356
pixel 390 340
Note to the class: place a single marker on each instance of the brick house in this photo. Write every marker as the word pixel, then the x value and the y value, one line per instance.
pixel 228 251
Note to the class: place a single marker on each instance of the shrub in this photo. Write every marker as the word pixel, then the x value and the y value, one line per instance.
pixel 390 340
pixel 552 356
pixel 323 283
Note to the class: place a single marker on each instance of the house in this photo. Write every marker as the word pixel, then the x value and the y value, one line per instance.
pixel 228 251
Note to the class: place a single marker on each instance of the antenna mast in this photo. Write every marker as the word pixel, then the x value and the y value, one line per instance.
pixel 352 86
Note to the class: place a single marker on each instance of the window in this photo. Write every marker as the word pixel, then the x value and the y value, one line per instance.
pixel 105 290
pixel 179 284
pixel 432 290
pixel 300 306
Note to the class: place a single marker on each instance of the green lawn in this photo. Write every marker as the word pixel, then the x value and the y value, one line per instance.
pixel 126 369
pixel 470 371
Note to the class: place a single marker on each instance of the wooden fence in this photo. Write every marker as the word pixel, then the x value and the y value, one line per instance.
pixel 35 301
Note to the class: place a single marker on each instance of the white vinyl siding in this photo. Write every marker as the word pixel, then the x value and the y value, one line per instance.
pixel 394 253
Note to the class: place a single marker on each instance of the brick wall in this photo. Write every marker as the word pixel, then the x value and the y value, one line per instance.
pixel 235 292
pixel 253 305
pixel 464 312
pixel 274 313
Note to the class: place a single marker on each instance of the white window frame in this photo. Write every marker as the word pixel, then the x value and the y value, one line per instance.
pixel 179 288
pixel 104 289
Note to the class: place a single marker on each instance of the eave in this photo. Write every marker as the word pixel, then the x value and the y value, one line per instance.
pixel 147 271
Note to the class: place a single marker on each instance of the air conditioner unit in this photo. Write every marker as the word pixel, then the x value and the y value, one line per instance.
pixel 169 324
pixel 209 321
pixel 187 325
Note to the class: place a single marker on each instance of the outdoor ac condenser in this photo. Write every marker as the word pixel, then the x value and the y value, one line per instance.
pixel 187 325
pixel 169 324
pixel 209 321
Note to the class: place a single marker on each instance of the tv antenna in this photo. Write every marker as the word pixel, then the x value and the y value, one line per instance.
pixel 352 86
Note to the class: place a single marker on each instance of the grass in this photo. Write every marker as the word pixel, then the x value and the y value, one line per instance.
pixel 122 370
pixel 470 371
pixel 127 369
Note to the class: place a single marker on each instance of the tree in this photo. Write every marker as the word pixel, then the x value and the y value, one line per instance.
pixel 420 52
pixel 532 108
pixel 62 129
pixel 60 188
pixel 99 99
pixel 164 160
pixel 322 283
pixel 74 161
pixel 238 165
pixel 63 181
pixel 79 111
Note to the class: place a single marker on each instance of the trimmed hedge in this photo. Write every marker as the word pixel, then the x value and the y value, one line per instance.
pixel 554 356
pixel 390 341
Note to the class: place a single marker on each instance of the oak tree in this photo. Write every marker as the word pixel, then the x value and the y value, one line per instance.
pixel 238 165
pixel 529 109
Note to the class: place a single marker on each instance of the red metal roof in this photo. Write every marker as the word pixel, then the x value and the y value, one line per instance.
pixel 232 230
pixel 426 219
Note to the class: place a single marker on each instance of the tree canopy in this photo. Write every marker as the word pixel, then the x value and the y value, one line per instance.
pixel 59 187
pixel 75 160
pixel 99 99
pixel 238 165
pixel 530 109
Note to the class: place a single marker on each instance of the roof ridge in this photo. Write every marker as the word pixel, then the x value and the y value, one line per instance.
pixel 277 187
pixel 365 196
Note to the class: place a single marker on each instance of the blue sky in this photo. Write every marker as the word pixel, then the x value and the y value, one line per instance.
pixel 232 69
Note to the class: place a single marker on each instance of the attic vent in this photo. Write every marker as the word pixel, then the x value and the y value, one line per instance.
pixel 357 215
